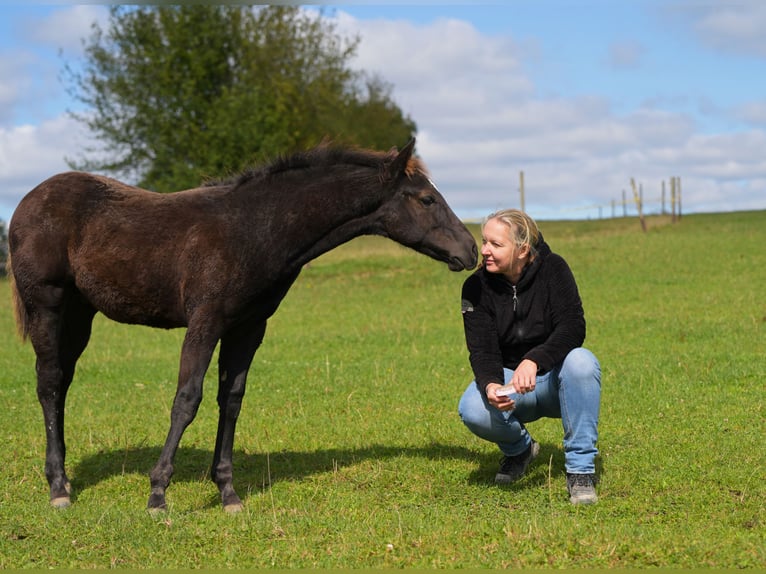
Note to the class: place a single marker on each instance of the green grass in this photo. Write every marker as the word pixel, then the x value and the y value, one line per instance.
pixel 349 450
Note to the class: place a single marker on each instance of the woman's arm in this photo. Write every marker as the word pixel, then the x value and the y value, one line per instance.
pixel 481 334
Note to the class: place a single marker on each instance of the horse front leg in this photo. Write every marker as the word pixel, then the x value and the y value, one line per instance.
pixel 234 359
pixel 197 350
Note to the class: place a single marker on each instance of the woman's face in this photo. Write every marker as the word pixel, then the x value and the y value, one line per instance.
pixel 499 252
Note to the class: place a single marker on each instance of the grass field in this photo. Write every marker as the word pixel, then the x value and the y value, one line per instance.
pixel 349 450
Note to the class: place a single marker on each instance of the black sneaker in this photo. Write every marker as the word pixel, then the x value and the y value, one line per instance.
pixel 582 488
pixel 512 468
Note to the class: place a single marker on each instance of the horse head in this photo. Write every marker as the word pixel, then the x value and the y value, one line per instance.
pixel 417 216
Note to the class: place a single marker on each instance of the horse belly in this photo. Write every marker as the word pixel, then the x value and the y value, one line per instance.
pixel 132 295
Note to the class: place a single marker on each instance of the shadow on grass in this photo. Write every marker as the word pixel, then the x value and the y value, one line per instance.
pixel 257 472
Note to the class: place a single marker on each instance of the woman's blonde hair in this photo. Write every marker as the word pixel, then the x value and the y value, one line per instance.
pixel 521 227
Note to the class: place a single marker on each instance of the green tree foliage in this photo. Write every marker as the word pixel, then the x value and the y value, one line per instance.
pixel 174 94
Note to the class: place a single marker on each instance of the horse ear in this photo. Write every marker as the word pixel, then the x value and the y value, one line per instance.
pixel 399 165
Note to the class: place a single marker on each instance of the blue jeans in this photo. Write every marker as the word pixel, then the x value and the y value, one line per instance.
pixel 571 391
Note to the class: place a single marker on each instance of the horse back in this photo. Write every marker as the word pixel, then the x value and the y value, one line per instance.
pixel 63 201
pixel 127 250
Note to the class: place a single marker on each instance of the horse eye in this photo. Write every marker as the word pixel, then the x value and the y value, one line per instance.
pixel 428 200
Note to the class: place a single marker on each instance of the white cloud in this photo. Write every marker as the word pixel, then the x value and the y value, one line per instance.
pixel 35 136
pixel 481 122
pixel 13 65
pixel 64 29
pixel 625 55
pixel 734 27
pixel 438 68
pixel 30 154
pixel 752 113
pixel 37 91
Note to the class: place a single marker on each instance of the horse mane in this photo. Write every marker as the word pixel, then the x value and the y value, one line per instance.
pixel 323 155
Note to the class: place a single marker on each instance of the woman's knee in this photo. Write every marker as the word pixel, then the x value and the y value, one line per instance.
pixel 472 409
pixel 581 364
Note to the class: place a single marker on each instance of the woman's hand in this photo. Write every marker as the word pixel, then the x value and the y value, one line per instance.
pixel 502 402
pixel 525 376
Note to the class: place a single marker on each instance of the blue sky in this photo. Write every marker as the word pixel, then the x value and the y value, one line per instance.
pixel 580 95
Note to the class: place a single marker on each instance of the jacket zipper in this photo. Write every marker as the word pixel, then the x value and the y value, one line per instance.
pixel 515 300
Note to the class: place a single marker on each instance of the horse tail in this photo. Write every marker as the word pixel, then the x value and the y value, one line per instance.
pixel 19 309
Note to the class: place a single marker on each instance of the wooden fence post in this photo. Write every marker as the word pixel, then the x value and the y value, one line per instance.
pixel 521 188
pixel 637 198
pixel 678 185
pixel 673 198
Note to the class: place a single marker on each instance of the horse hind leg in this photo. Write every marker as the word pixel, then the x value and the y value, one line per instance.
pixel 59 328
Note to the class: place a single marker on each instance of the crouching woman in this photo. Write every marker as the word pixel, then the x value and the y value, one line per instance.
pixel 524 327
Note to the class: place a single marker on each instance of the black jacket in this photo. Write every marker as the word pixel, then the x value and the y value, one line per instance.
pixel 540 318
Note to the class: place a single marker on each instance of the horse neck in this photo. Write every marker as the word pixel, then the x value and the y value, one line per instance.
pixel 322 211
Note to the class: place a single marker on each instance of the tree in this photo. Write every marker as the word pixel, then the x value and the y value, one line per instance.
pixel 175 94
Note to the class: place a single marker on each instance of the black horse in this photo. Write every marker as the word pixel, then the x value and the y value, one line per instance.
pixel 216 259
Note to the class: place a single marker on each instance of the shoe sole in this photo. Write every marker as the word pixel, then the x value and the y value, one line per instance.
pixel 583 499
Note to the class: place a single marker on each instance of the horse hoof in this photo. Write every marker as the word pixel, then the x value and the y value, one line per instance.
pixel 156 503
pixel 61 502
pixel 233 508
